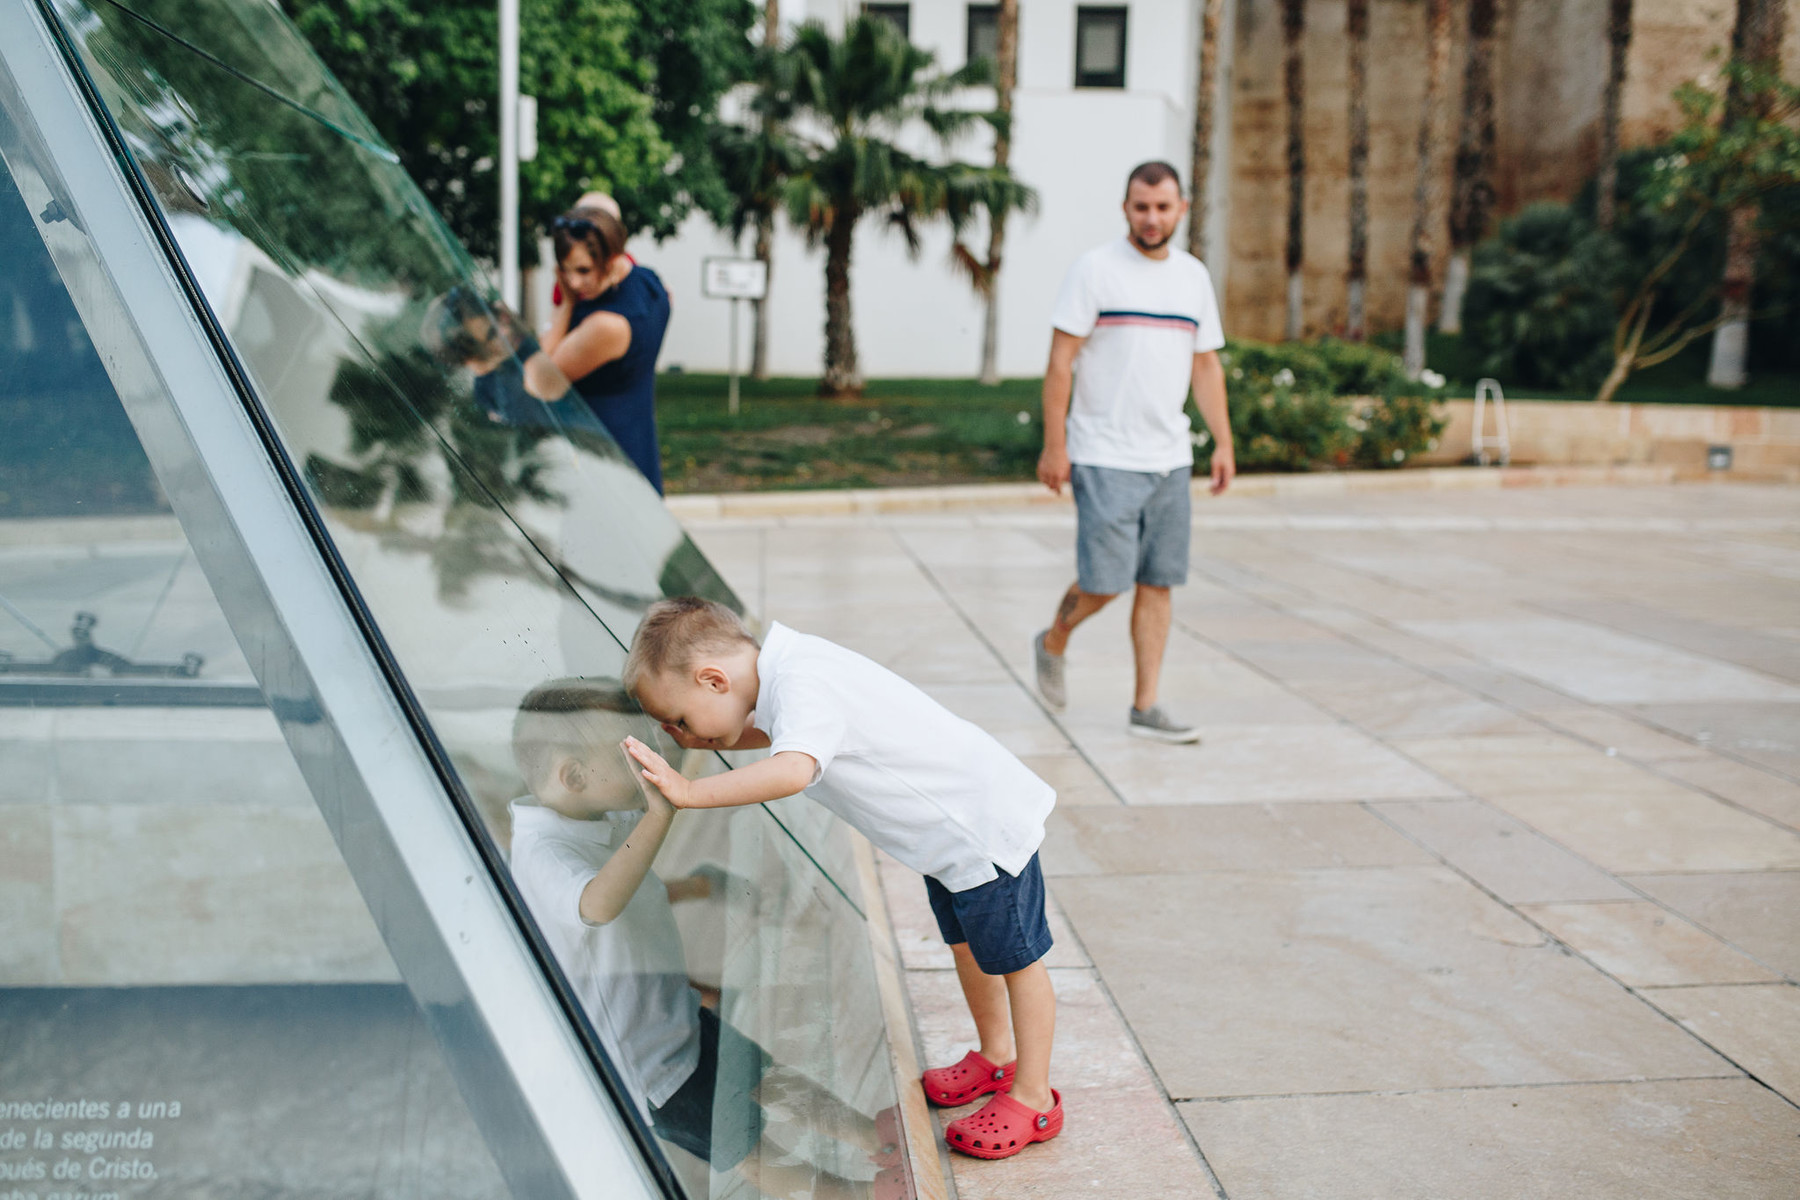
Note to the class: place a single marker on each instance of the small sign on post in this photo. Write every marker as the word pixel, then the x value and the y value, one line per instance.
pixel 736 280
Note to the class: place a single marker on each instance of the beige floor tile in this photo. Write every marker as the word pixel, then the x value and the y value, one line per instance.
pixel 1630 738
pixel 1659 826
pixel 1076 782
pixel 1754 911
pixel 1754 788
pixel 1756 1026
pixel 1121 1138
pixel 1602 665
pixel 1512 861
pixel 1707 1139
pixel 1417 708
pixel 1644 945
pixel 1505 765
pixel 1268 983
pixel 1230 837
pixel 1239 764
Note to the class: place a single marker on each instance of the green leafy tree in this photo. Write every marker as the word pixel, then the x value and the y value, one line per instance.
pixel 1726 160
pixel 844 103
pixel 626 91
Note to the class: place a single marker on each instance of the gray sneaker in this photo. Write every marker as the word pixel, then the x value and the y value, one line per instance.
pixel 1159 726
pixel 1049 674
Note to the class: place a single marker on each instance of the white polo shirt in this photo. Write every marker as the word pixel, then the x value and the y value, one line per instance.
pixel 629 974
pixel 933 790
pixel 1144 320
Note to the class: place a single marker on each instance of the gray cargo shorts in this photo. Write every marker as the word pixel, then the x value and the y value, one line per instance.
pixel 1130 527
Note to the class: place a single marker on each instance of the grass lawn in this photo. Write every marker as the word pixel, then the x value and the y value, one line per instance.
pixel 903 431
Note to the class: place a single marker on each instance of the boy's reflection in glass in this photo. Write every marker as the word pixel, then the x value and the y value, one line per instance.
pixel 582 847
pixel 514 378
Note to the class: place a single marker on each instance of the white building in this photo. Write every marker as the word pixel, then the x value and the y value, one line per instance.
pixel 1074 144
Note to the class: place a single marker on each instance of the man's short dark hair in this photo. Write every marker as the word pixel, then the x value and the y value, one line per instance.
pixel 1152 174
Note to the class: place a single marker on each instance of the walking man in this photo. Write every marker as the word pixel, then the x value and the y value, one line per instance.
pixel 1135 326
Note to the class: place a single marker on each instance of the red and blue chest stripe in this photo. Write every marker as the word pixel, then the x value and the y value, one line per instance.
pixel 1177 322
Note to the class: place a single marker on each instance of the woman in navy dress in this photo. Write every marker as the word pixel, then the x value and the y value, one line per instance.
pixel 607 331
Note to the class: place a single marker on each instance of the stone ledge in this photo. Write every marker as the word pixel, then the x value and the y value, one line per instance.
pixel 855 501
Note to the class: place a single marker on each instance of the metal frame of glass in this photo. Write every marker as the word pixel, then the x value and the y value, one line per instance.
pixel 507 1034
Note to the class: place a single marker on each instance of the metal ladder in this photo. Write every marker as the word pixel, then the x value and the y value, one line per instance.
pixel 1480 443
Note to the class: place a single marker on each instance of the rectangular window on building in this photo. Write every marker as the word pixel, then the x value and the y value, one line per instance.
pixel 984 32
pixel 1099 47
pixel 899 14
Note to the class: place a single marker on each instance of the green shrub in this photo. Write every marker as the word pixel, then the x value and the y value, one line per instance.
pixel 1540 308
pixel 1394 428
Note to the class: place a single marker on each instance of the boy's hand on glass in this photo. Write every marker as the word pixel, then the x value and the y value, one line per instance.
pixel 666 782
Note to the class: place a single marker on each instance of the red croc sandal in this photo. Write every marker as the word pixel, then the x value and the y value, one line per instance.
pixel 1004 1127
pixel 948 1087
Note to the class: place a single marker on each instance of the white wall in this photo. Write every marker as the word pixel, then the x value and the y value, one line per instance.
pixel 918 317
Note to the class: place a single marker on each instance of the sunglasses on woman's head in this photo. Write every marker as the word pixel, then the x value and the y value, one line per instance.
pixel 574 225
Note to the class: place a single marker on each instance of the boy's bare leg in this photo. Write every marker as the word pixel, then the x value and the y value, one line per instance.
pixel 988 1003
pixel 1033 1004
pixel 1151 616
pixel 1076 607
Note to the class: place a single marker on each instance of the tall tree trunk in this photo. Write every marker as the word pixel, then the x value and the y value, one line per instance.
pixel 1356 326
pixel 1425 184
pixel 1618 38
pixel 842 378
pixel 1755 39
pixel 1205 89
pixel 765 232
pixel 1293 28
pixel 1006 53
pixel 1472 193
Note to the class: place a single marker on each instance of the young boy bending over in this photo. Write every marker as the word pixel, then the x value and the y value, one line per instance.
pixel 928 787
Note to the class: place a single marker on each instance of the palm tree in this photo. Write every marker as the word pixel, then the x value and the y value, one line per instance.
pixel 1293 29
pixel 1006 78
pixel 1472 191
pixel 851 97
pixel 1356 313
pixel 1756 42
pixel 1418 290
pixel 765 227
pixel 1618 38
pixel 1206 87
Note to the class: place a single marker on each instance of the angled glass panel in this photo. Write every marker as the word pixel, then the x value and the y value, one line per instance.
pixel 194 999
pixel 505 549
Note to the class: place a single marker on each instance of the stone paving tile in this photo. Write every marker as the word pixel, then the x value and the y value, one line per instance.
pixel 1767 734
pixel 1416 708
pixel 1511 860
pixel 1746 647
pixel 1754 911
pixel 1702 1139
pixel 1644 945
pixel 1754 788
pixel 1234 837
pixel 1756 1026
pixel 1499 766
pixel 1120 1136
pixel 1659 827
pixel 1238 764
pixel 1267 983
pixel 1075 780
pixel 1630 738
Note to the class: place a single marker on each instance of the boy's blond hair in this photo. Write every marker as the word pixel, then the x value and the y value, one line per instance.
pixel 569 718
pixel 676 632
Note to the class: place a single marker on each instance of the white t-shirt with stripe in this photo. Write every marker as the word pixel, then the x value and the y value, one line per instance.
pixel 1144 320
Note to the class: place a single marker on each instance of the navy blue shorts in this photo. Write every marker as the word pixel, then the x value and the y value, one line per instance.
pixel 717 1119
pixel 1002 920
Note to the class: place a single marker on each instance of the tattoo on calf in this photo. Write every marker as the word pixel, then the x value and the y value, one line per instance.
pixel 1066 610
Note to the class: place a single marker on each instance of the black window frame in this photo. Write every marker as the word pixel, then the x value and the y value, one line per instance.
pixel 984 14
pixel 899 15
pixel 1090 16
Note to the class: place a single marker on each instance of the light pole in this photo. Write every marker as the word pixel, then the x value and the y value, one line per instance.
pixel 509 153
